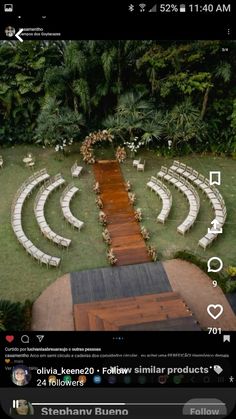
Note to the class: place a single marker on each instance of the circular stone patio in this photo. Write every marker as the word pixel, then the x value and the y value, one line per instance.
pixel 53 310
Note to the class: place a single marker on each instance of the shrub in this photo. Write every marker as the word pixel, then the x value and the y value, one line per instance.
pixel 56 125
pixel 231 287
pixel 231 270
pixel 15 315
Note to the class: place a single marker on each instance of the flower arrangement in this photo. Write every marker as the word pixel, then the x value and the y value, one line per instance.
pixel 111 257
pixel 132 197
pixel 152 252
pixel 106 236
pixel 99 202
pixel 133 145
pixel 120 154
pixel 86 148
pixel 145 233
pixel 62 146
pixel 138 214
pixel 128 186
pixel 96 188
pixel 102 218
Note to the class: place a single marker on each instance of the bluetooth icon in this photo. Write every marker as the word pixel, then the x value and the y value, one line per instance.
pixel 131 7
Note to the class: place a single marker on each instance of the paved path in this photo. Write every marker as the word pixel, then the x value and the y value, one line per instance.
pixel 53 309
pixel 127 242
pixel 197 290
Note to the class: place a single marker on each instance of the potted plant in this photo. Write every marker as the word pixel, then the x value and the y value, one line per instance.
pixel 120 154
pixel 138 214
pixel 99 202
pixel 128 186
pixel 152 252
pixel 132 197
pixel 102 218
pixel 111 257
pixel 106 236
pixel 96 188
pixel 145 233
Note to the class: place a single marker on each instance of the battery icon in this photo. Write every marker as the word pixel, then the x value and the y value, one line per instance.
pixel 182 8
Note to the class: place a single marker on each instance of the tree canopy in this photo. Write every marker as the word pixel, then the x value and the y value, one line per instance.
pixel 159 91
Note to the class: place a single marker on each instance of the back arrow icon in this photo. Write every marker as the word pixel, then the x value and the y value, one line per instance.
pixel 18 34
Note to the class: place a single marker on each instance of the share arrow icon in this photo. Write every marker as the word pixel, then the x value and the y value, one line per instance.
pixel 40 337
pixel 18 34
pixel 215 227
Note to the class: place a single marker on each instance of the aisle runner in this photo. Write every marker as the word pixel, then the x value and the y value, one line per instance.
pixel 127 242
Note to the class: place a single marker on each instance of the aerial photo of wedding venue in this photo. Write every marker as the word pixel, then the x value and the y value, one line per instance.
pixel 117 185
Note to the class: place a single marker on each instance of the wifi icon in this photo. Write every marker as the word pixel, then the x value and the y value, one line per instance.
pixel 142 7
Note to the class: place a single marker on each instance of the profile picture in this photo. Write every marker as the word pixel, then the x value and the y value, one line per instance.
pixel 22 407
pixel 82 379
pixel 52 379
pixel 21 375
pixel 10 31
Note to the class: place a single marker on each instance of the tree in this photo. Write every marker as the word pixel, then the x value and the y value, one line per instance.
pixel 177 70
pixel 183 124
pixel 129 84
pixel 57 125
pixel 135 116
pixel 22 66
pixel 68 80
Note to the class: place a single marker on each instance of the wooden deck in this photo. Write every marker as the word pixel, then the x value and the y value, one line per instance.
pixel 155 310
pixel 127 241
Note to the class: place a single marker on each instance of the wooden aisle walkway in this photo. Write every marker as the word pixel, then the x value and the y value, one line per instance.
pixel 127 241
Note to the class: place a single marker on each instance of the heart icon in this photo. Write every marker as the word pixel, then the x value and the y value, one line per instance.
pixel 7 360
pixel 215 310
pixel 9 338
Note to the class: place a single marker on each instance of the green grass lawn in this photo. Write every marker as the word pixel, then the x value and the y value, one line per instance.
pixel 165 237
pixel 22 277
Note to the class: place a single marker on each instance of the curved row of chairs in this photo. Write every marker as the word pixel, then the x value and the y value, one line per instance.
pixel 164 193
pixel 39 210
pixel 16 218
pixel 213 195
pixel 65 200
pixel 188 190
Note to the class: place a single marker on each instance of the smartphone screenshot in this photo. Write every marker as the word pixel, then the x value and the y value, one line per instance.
pixel 117 209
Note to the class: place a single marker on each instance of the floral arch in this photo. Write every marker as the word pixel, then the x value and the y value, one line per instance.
pixel 86 148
